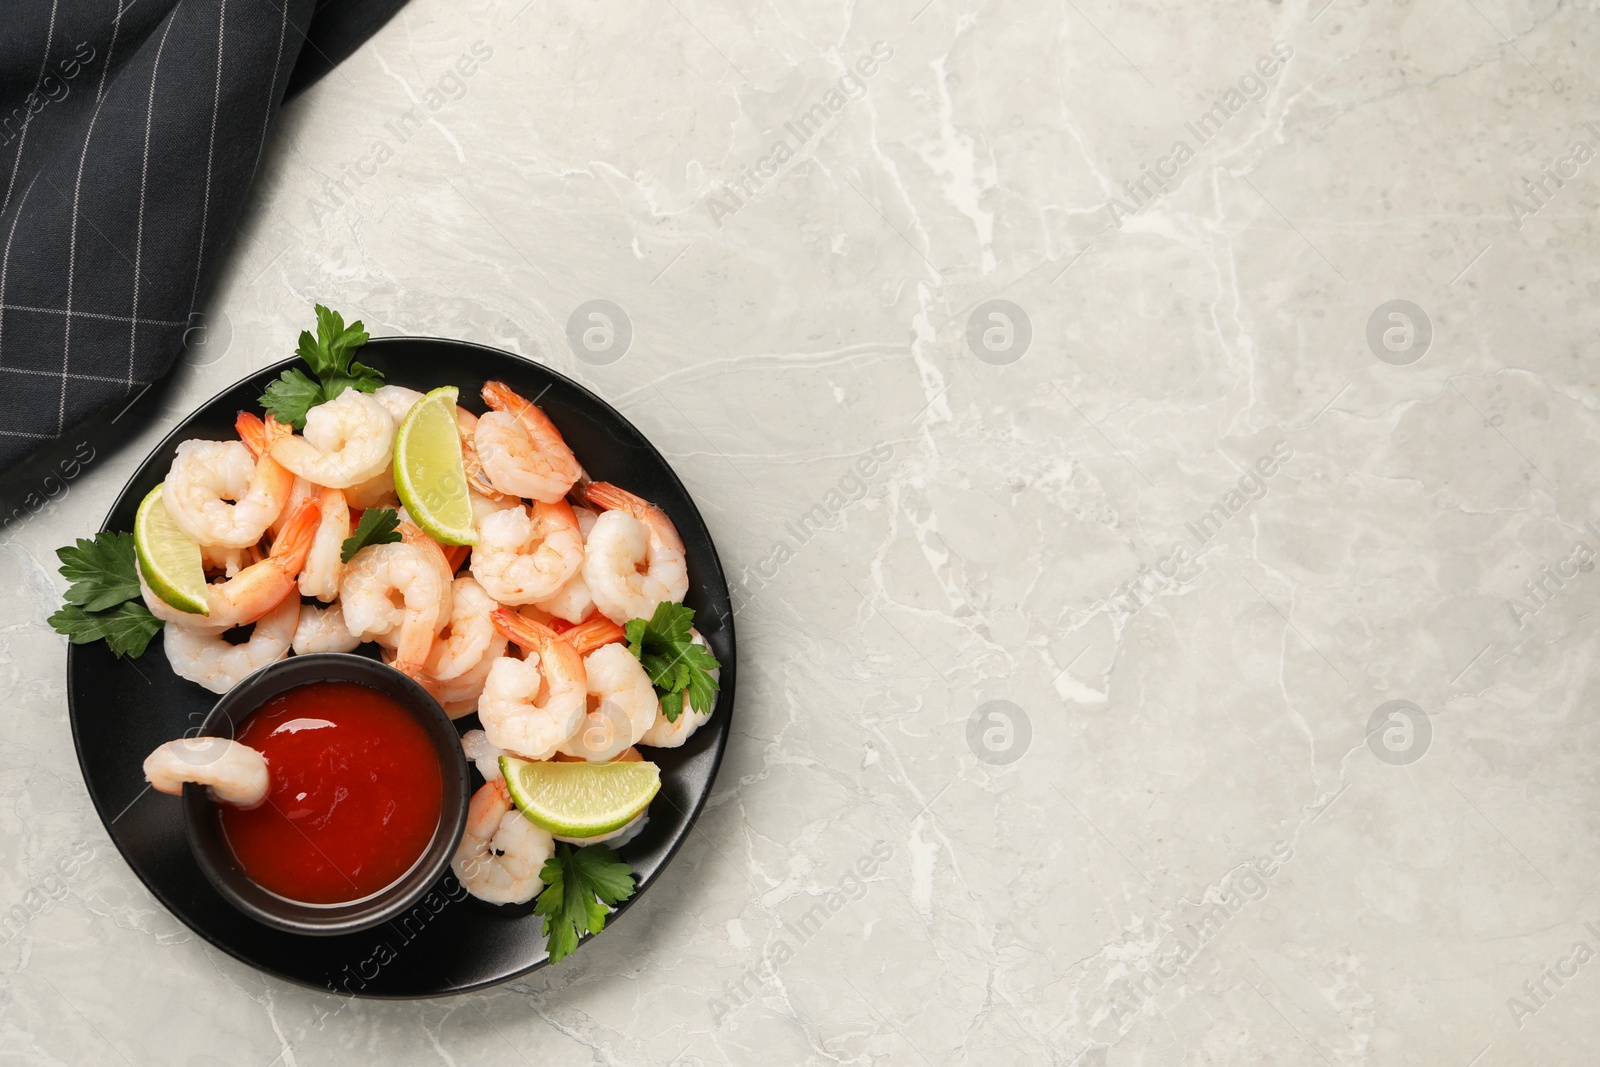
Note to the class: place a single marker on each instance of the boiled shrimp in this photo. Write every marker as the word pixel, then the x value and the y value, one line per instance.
pixel 208 659
pixel 230 561
pixel 262 586
pixel 572 602
pixel 634 557
pixel 347 441
pixel 320 576
pixel 475 745
pixel 397 400
pixel 394 590
pixel 433 552
pixel 323 630
pixel 258 435
pixel 254 591
pixel 459 696
pixel 531 706
pixel 502 851
pixel 236 774
pixel 302 491
pixel 521 450
pixel 620 705
pixel 221 495
pixel 484 506
pixel 664 734
pixel 468 634
pixel 522 557
pixel 477 477
pixel 375 492
pixel 167 613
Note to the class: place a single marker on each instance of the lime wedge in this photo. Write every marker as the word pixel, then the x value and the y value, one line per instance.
pixel 580 799
pixel 169 559
pixel 428 473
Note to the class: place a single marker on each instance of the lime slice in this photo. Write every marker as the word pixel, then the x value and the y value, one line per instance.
pixel 580 799
pixel 428 473
pixel 169 559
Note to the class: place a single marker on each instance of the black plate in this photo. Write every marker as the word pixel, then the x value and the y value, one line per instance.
pixel 122 709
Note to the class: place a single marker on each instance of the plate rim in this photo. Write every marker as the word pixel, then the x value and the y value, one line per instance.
pixel 726 688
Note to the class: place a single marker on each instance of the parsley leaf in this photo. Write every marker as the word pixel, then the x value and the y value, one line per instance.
pixel 101 571
pixel 701 686
pixel 328 354
pixel 291 396
pixel 103 600
pixel 580 887
pixel 127 629
pixel 666 649
pixel 378 526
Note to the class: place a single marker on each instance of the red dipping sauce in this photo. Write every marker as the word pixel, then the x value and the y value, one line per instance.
pixel 356 794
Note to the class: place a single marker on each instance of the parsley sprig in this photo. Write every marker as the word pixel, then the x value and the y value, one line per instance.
pixel 378 526
pixel 329 355
pixel 102 603
pixel 675 664
pixel 581 885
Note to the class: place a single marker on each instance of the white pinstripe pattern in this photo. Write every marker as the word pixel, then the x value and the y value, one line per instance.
pixel 72 239
pixel 72 252
pixel 16 164
pixel 56 374
pixel 5 260
pixel 216 103
pixel 144 172
pixel 116 25
pixel 102 316
pixel 272 93
pixel 266 113
pixel 22 142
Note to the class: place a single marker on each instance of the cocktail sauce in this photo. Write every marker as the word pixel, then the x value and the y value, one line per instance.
pixel 356 794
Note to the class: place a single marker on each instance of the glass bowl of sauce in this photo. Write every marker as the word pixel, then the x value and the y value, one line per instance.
pixel 367 803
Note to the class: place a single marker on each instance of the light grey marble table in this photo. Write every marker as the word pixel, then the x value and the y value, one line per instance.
pixel 1156 450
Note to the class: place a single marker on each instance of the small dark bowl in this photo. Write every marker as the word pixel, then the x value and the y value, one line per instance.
pixel 217 860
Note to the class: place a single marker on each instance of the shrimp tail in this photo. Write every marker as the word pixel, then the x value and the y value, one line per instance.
pixel 529 634
pixel 252 431
pixel 257 435
pixel 416 644
pixel 608 497
pixel 293 543
pixel 520 630
pixel 501 397
pixel 331 501
pixel 554 650
pixel 559 514
pixel 593 632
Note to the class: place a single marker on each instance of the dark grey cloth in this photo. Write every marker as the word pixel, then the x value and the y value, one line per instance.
pixel 129 132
